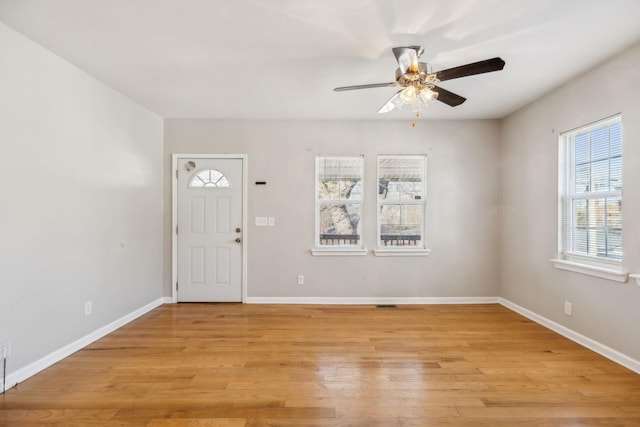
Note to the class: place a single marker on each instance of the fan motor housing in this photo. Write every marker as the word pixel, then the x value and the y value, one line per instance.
pixel 420 78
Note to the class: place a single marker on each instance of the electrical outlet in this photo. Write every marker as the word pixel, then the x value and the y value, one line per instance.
pixel 568 308
pixel 300 279
pixel 87 308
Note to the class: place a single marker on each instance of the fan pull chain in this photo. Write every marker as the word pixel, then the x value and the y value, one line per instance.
pixel 413 122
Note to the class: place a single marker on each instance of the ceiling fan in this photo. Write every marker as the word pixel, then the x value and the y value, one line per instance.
pixel 419 85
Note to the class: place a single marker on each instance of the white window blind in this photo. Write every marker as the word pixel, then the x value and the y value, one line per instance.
pixel 591 191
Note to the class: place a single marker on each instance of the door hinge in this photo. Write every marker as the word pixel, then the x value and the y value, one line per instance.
pixel 177 286
pixel 176 173
pixel 176 230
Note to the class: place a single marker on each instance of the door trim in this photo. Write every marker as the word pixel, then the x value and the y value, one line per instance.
pixel 174 216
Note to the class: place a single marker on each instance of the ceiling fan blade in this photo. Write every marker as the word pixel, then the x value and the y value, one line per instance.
pixel 407 58
pixel 480 67
pixel 449 98
pixel 391 104
pixel 369 86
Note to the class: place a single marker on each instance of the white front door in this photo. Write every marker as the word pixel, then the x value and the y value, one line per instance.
pixel 209 233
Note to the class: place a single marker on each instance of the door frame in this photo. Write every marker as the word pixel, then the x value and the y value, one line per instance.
pixel 174 216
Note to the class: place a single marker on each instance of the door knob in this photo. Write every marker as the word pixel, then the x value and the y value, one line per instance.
pixel 238 230
pixel 238 240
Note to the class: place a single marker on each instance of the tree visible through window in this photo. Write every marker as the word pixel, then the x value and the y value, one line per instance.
pixel 591 191
pixel 339 201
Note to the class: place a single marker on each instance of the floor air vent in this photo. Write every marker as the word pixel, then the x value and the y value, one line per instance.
pixel 386 306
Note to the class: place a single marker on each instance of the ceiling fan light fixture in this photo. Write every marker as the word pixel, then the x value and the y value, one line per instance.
pixel 427 95
pixel 419 84
pixel 417 98
pixel 409 94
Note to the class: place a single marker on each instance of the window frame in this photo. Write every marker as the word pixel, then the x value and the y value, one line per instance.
pixel 339 249
pixel 569 259
pixel 402 250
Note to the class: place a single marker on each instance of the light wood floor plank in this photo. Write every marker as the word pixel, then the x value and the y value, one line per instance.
pixel 233 365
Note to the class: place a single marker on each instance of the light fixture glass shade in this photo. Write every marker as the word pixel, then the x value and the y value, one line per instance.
pixel 418 98
pixel 427 95
pixel 409 94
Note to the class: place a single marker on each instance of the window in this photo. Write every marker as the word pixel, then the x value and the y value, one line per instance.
pixel 590 188
pixel 209 178
pixel 401 202
pixel 339 194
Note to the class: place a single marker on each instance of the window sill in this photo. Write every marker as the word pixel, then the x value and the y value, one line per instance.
pixel 338 252
pixel 603 273
pixel 637 277
pixel 401 252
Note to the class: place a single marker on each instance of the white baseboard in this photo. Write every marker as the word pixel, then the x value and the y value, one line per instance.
pixel 587 342
pixel 48 360
pixel 371 300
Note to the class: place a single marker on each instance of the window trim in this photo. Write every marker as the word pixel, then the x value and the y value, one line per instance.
pixel 421 250
pixel 402 252
pixel 591 270
pixel 346 250
pixel 602 267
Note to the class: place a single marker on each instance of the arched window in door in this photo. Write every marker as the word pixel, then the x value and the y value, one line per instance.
pixel 209 178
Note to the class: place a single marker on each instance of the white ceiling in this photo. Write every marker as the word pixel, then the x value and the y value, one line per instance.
pixel 280 59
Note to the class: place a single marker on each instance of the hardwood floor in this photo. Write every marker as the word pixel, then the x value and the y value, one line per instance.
pixel 238 365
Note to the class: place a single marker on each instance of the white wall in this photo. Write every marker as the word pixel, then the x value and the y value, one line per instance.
pixel 461 213
pixel 603 310
pixel 80 205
